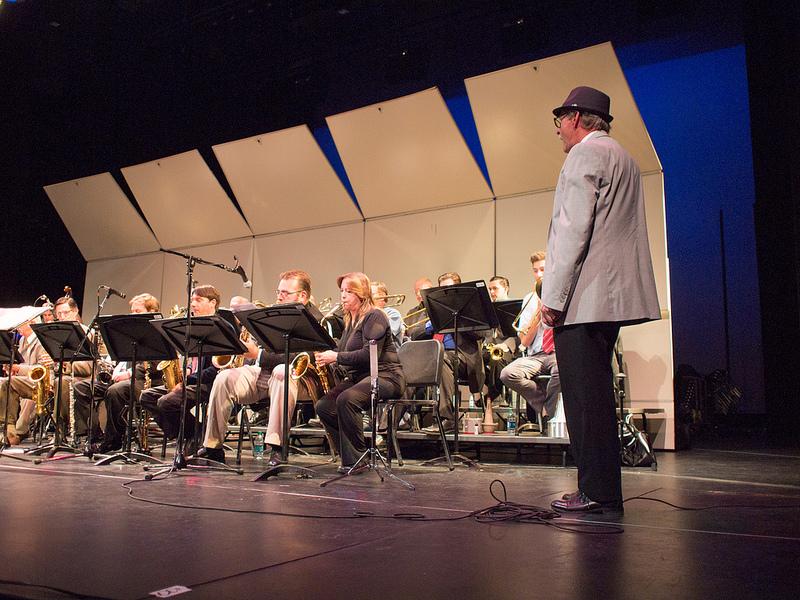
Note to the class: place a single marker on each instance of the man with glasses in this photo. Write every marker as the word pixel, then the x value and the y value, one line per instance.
pixel 598 277
pixel 253 383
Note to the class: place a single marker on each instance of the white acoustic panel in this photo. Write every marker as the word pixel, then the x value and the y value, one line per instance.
pixel 229 284
pixel 183 202
pixel 522 225
pixel 399 250
pixel 648 356
pixel 100 218
pixel 132 275
pixel 283 182
pixel 513 114
pixel 405 155
pixel 657 235
pixel 324 253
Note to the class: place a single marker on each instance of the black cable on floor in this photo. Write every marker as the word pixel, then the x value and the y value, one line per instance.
pixel 27 585
pixel 644 496
pixel 503 511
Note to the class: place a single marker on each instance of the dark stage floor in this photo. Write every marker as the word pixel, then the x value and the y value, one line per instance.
pixel 71 526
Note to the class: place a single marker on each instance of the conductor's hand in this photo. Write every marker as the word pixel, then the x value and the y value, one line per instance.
pixel 551 316
pixel 323 359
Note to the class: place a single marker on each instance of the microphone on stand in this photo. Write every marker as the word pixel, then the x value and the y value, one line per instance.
pixel 112 291
pixel 239 269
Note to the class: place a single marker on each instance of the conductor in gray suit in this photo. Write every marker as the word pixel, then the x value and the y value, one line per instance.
pixel 598 277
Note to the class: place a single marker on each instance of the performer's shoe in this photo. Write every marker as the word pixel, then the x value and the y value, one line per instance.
pixel 582 504
pixel 571 495
pixel 109 445
pixel 12 438
pixel 216 454
pixel 447 424
pixel 275 457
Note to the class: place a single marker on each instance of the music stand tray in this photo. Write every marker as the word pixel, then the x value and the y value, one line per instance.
pixel 286 328
pixel 132 338
pixel 455 309
pixel 200 337
pixel 64 341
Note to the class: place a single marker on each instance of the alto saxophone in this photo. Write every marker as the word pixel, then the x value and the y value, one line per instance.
pixel 40 374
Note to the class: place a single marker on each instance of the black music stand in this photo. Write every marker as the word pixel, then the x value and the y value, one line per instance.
pixel 286 328
pixel 200 337
pixel 64 341
pixel 458 309
pixel 8 356
pixel 507 312
pixel 131 338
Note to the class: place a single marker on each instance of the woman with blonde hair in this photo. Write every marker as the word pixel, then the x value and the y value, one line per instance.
pixel 340 409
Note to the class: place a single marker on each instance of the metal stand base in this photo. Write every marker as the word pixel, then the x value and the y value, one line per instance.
pixel 195 464
pixel 130 458
pixel 369 462
pixel 455 458
pixel 300 472
pixel 3 454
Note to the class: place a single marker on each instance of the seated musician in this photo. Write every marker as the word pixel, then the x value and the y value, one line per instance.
pixel 165 405
pixel 502 347
pixel 114 394
pixel 379 295
pixel 262 380
pixel 22 386
pixel 538 357
pixel 470 365
pixel 340 409
pixel 416 318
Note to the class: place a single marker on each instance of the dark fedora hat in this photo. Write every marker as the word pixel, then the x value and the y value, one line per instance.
pixel 589 100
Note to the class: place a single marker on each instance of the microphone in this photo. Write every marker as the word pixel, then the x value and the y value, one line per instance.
pixel 245 281
pixel 373 362
pixel 112 291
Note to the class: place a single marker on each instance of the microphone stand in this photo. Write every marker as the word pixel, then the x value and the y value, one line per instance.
pixel 368 461
pixel 179 462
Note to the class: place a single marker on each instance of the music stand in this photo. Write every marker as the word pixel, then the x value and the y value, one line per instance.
pixel 131 338
pixel 455 309
pixel 286 328
pixel 9 355
pixel 200 337
pixel 64 341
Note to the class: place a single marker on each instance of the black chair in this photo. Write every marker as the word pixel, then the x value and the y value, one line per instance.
pixel 422 362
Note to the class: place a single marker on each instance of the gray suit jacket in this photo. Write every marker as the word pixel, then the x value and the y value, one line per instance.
pixel 598 265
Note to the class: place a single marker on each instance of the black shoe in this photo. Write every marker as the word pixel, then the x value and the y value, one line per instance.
pixel 275 457
pixel 216 454
pixel 109 445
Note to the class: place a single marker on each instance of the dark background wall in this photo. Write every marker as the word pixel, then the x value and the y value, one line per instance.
pixel 94 86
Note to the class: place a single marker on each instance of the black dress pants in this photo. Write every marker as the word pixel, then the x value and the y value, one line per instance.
pixel 340 413
pixel 584 353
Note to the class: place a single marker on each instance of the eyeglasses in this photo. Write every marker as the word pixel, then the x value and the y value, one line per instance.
pixel 60 314
pixel 557 120
pixel 284 293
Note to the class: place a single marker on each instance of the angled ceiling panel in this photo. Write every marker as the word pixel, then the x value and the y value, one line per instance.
pixel 405 155
pixel 131 275
pixel 283 182
pixel 100 218
pixel 513 114
pixel 183 202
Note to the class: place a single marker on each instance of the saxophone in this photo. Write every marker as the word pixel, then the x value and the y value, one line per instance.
pixel 171 369
pixel 300 366
pixel 228 361
pixel 42 391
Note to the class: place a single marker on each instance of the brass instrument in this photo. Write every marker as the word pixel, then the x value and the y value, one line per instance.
pixel 414 314
pixel 494 350
pixel 171 372
pixel 177 311
pixel 394 300
pixel 229 361
pixel 325 305
pixel 300 366
pixel 42 391
pixel 326 320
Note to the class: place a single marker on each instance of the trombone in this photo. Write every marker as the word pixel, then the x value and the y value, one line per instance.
pixel 393 299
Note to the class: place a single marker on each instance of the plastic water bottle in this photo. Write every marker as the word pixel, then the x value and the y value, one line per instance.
pixel 258 446
pixel 511 421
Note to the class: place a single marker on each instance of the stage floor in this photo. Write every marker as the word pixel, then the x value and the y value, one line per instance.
pixel 71 530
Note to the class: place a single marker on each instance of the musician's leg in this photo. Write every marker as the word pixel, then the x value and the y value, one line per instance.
pixel 230 386
pixel 520 377
pixel 275 423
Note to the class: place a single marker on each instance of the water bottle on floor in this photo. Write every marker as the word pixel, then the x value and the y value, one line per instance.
pixel 511 421
pixel 258 446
